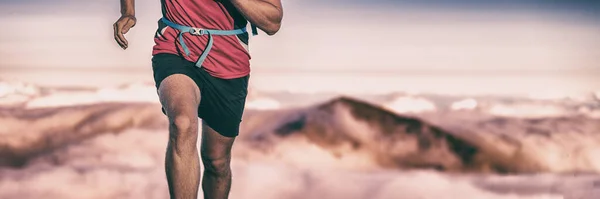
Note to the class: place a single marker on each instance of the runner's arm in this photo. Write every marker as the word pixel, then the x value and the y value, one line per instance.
pixel 265 14
pixel 125 22
pixel 127 7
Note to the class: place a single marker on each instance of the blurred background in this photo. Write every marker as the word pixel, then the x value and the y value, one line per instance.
pixel 380 99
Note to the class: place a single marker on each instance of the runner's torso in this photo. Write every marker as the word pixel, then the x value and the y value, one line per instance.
pixel 229 57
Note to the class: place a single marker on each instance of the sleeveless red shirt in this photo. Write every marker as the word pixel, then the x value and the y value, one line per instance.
pixel 229 57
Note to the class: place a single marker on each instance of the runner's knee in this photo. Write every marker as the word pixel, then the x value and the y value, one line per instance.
pixel 182 123
pixel 184 128
pixel 216 165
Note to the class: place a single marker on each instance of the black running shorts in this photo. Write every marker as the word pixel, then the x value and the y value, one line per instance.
pixel 221 100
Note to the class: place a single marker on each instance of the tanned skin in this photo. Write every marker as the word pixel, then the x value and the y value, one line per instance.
pixel 180 97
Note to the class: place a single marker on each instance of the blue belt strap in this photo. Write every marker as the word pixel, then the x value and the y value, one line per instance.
pixel 199 31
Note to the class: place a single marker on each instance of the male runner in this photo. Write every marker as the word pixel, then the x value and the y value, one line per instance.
pixel 201 69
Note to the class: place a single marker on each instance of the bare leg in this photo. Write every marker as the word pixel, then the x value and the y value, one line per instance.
pixel 216 156
pixel 180 97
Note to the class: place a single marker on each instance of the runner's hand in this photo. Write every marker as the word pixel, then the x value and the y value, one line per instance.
pixel 122 26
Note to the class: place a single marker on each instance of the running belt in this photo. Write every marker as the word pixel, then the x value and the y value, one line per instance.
pixel 199 32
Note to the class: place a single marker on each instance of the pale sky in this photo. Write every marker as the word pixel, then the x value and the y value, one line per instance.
pixel 330 35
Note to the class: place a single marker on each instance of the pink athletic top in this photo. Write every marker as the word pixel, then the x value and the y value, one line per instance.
pixel 229 57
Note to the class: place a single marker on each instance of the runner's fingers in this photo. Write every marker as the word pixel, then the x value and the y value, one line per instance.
pixel 128 25
pixel 119 35
pixel 116 32
pixel 125 29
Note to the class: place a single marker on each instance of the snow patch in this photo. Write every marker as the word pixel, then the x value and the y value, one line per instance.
pixel 408 104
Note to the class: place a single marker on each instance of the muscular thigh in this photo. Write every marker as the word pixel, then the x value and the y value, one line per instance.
pixel 179 95
pixel 215 146
pixel 181 85
pixel 174 78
